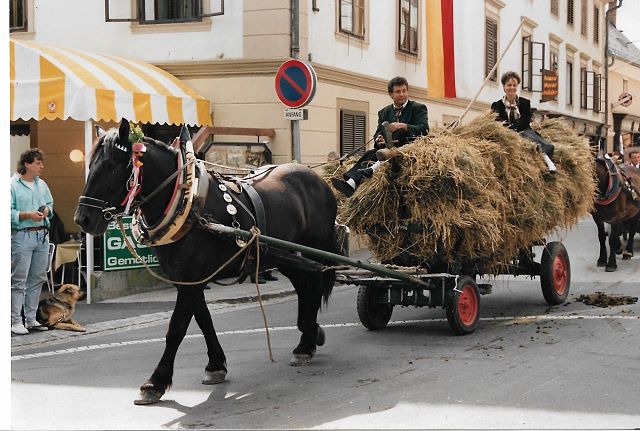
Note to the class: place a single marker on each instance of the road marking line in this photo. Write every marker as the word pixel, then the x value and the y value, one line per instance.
pixel 329 325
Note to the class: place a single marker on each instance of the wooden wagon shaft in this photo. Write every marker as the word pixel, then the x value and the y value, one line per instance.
pixel 367 273
pixel 291 246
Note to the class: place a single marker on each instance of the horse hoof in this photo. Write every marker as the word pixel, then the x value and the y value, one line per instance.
pixel 148 395
pixel 214 377
pixel 601 264
pixel 611 268
pixel 320 337
pixel 300 360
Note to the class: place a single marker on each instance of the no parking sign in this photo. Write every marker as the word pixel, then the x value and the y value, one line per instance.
pixel 295 83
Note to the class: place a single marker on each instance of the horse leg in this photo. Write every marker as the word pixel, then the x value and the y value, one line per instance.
pixel 614 244
pixel 216 369
pixel 160 381
pixel 308 289
pixel 628 251
pixel 602 238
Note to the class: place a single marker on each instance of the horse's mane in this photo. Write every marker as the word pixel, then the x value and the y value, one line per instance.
pixel 112 135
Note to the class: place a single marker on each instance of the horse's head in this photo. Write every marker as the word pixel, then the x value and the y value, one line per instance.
pixel 109 171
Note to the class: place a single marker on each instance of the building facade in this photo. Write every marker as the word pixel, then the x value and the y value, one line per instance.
pixel 624 87
pixel 229 51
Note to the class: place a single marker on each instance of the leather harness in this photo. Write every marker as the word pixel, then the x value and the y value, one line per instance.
pixel 619 180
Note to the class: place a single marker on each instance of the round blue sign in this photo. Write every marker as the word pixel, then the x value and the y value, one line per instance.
pixel 295 83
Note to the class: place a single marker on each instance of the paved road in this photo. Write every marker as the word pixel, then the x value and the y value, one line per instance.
pixel 527 366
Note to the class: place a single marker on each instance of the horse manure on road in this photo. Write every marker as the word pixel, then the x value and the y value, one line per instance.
pixel 601 299
pixel 476 192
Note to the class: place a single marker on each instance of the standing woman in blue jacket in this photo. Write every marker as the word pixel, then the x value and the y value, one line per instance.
pixel 515 112
pixel 31 209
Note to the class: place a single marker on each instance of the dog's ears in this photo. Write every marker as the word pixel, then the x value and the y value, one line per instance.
pixel 68 288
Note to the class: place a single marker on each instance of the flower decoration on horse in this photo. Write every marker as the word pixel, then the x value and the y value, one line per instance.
pixel 136 139
pixel 138 148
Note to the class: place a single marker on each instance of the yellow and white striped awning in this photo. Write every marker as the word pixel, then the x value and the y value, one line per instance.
pixel 59 83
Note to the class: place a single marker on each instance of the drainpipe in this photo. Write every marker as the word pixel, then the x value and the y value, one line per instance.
pixel 295 28
pixel 295 52
pixel 605 126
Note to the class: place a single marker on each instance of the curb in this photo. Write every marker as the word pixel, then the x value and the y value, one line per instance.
pixel 53 337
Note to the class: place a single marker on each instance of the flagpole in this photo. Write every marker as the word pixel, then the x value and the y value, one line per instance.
pixel 493 69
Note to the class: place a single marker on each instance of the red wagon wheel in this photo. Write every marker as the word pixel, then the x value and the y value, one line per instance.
pixel 463 306
pixel 555 273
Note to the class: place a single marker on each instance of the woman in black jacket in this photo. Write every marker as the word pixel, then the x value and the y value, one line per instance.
pixel 515 113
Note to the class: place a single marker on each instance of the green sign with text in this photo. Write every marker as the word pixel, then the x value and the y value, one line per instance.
pixel 116 254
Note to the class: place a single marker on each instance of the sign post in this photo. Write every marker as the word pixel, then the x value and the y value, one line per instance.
pixel 295 84
pixel 115 252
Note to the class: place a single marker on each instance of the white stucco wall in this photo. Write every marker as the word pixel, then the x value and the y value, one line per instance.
pixel 469 41
pixel 375 56
pixel 81 24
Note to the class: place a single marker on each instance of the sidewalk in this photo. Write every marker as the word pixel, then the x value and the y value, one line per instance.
pixel 153 308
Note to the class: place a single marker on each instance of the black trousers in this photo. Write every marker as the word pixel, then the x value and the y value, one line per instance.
pixel 546 147
pixel 369 157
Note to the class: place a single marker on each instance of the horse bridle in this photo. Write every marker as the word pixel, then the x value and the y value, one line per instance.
pixel 109 210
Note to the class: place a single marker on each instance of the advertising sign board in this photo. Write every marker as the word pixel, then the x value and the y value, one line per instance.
pixel 549 85
pixel 115 252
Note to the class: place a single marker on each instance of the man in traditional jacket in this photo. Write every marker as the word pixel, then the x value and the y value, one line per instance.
pixel 400 122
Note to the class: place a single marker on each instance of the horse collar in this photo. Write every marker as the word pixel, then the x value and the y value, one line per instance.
pixel 613 186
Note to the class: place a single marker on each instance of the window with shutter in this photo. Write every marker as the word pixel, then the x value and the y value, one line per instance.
pixel 583 18
pixel 17 15
pixel 533 62
pixel 491 47
pixel 554 7
pixel 569 83
pixel 597 92
pixel 596 24
pixel 408 26
pixel 570 8
pixel 351 19
pixel 583 88
pixel 168 11
pixel 353 131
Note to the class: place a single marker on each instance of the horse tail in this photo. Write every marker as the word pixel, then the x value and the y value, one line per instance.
pixel 329 276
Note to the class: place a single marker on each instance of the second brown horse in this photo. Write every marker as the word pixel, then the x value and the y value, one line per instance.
pixel 616 203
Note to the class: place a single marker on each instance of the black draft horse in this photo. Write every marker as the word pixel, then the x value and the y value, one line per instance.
pixel 614 205
pixel 299 207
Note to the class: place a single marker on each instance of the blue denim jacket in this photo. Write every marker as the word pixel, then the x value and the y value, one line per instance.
pixel 25 199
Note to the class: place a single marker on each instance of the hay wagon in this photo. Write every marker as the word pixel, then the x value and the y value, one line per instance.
pixel 384 286
pixel 458 293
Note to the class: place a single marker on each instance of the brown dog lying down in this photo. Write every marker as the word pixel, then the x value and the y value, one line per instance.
pixel 57 311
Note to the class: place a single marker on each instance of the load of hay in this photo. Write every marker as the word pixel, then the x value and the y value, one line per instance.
pixel 479 193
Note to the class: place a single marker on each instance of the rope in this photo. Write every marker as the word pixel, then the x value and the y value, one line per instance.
pixel 343 158
pixel 182 283
pixel 256 232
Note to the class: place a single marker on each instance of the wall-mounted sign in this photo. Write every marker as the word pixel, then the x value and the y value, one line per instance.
pixel 296 114
pixel 115 251
pixel 625 99
pixel 549 85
